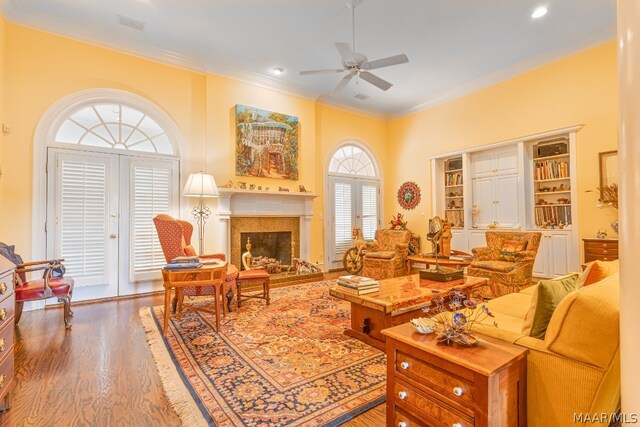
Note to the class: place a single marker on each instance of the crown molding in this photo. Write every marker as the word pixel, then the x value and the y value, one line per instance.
pixel 323 100
pixel 596 39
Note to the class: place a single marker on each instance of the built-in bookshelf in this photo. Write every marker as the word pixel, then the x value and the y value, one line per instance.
pixel 454 192
pixel 552 184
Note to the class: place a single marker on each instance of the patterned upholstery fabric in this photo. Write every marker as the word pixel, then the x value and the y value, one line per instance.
pixel 377 263
pixel 503 279
pixel 175 240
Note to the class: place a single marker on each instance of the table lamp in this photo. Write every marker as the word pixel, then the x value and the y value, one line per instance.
pixel 201 185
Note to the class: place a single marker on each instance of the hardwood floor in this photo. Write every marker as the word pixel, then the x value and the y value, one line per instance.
pixel 101 373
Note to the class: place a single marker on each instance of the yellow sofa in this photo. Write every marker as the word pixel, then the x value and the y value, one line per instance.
pixel 576 368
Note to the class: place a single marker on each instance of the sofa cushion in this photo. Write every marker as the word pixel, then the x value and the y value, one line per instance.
pixel 544 300
pixel 597 271
pixel 382 254
pixel 510 248
pixel 502 266
pixel 514 305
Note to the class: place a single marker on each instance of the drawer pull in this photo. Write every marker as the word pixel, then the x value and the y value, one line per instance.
pixel 2 345
pixel 604 252
pixel 456 425
pixel 3 314
pixel 2 378
pixel 402 395
pixel 605 259
pixel 404 365
pixel 604 245
pixel 458 391
pixel 402 424
pixel 3 288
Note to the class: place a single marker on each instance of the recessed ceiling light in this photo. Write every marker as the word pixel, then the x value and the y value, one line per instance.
pixel 539 12
pixel 278 71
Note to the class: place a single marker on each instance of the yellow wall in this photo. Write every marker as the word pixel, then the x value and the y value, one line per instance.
pixel 580 89
pixel 42 68
pixel 4 155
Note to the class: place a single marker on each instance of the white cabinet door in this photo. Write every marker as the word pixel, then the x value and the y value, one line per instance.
pixel 482 189
pixel 541 265
pixel 482 163
pixel 559 254
pixel 506 160
pixel 477 239
pixel 507 207
pixel 459 240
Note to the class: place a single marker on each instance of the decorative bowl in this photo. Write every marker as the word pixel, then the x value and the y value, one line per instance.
pixel 423 325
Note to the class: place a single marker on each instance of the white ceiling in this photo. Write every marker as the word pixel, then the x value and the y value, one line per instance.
pixel 454 46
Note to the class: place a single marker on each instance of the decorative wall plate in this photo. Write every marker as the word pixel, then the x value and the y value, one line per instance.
pixel 409 195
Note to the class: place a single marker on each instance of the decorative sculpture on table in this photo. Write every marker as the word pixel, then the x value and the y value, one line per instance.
pixel 434 235
pixel 445 239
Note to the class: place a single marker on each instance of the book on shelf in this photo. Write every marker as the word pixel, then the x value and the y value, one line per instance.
pixel 453 178
pixel 353 291
pixel 551 169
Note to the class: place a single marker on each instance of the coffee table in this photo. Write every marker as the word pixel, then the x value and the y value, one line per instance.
pixel 399 300
pixel 430 260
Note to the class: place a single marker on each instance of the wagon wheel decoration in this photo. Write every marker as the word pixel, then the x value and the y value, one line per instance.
pixel 352 261
pixel 409 195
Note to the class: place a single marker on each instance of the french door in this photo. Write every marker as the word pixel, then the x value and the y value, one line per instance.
pixel 354 203
pixel 99 219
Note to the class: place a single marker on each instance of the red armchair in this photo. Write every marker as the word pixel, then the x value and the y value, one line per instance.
pixel 175 240
pixel 51 285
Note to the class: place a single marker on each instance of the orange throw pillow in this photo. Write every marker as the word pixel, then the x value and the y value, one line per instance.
pixel 510 248
pixel 598 270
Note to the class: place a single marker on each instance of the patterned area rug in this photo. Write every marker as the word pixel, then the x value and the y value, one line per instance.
pixel 285 364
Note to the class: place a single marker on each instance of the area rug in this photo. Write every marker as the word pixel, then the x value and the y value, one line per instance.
pixel 285 364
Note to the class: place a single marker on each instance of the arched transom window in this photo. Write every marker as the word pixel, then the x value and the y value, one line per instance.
pixel 116 126
pixel 352 160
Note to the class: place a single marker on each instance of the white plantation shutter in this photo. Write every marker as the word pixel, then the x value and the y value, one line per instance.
pixel 369 210
pixel 342 217
pixel 151 196
pixel 83 219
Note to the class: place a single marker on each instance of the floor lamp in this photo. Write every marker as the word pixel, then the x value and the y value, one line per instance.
pixel 201 185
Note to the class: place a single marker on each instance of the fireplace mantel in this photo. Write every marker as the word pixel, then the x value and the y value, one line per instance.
pixel 260 203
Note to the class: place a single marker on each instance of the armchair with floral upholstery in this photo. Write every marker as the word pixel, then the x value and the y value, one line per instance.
pixel 507 260
pixel 175 240
pixel 386 257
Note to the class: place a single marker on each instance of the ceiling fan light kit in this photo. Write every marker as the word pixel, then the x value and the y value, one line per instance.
pixel 356 64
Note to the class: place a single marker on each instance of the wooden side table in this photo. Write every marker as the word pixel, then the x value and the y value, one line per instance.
pixel 207 275
pixel 600 249
pixel 435 384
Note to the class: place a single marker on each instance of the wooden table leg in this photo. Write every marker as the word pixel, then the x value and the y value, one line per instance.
pixel 217 297
pixel 167 304
pixel 223 300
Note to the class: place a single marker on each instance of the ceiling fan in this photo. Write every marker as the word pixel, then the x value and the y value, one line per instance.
pixel 356 64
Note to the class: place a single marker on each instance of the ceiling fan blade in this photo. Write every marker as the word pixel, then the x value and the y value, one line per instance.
pixel 345 52
pixel 386 62
pixel 327 71
pixel 345 80
pixel 375 80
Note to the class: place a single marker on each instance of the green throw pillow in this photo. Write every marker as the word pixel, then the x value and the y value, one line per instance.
pixel 544 301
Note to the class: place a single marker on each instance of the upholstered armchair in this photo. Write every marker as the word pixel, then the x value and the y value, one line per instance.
pixel 507 260
pixel 175 240
pixel 386 257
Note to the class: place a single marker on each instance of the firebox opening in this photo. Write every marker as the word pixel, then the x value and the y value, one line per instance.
pixel 270 244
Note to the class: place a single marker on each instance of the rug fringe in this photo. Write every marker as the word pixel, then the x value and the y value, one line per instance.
pixel 179 397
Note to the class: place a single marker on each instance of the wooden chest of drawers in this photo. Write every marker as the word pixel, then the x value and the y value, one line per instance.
pixel 7 306
pixel 430 384
pixel 600 249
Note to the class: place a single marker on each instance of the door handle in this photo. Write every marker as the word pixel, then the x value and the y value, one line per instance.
pixel 113 236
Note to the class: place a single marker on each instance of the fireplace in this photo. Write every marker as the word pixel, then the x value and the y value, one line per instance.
pixel 273 237
pixel 270 244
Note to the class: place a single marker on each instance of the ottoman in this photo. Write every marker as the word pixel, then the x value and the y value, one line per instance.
pixel 253 277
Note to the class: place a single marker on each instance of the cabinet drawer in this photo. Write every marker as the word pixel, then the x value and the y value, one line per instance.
pixel 6 339
pixel 430 408
pixel 404 420
pixel 7 307
pixel 612 252
pixel 600 245
pixel 447 384
pixel 6 285
pixel 590 258
pixel 6 374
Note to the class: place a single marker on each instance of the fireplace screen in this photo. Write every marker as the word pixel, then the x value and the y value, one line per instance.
pixel 270 244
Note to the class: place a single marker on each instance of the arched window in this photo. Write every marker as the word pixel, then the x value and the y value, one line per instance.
pixel 117 126
pixel 354 202
pixel 352 160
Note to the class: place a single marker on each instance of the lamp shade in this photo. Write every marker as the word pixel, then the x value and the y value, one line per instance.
pixel 201 184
